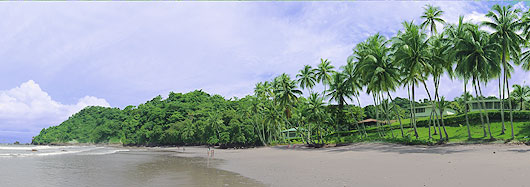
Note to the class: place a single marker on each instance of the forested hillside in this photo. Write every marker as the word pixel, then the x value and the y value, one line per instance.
pixel 192 118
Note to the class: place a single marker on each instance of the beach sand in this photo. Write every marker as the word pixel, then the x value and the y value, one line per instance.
pixel 371 164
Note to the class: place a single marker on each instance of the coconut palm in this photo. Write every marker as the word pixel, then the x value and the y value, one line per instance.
pixel 306 77
pixel 480 55
pixel 506 25
pixel 432 16
pixel 525 57
pixel 339 91
pixel 354 81
pixel 286 93
pixel 323 72
pixel 456 34
pixel 383 73
pixel 440 62
pixel 411 54
pixel 315 112
pixel 521 93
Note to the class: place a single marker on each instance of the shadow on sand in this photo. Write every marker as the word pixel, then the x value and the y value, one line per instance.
pixel 382 147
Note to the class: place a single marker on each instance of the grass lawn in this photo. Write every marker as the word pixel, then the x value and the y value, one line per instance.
pixel 456 134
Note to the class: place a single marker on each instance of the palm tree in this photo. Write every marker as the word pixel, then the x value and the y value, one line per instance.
pixel 505 23
pixel 479 53
pixel 411 54
pixel 306 77
pixel 525 57
pixel 432 15
pixel 286 93
pixel 315 112
pixel 383 73
pixel 440 63
pixel 215 120
pixel 323 72
pixel 521 93
pixel 353 80
pixel 456 34
pixel 339 91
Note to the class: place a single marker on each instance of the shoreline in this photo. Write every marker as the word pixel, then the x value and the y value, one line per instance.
pixel 377 164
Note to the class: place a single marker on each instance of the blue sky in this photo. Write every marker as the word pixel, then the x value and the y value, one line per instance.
pixel 58 57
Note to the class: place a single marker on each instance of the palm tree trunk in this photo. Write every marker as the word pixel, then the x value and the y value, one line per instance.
pixel 466 108
pixel 437 98
pixel 410 102
pixel 485 109
pixel 387 117
pixel 258 131
pixel 481 109
pixel 433 110
pixel 357 126
pixel 339 118
pixel 521 109
pixel 443 125
pixel 397 113
pixel 308 133
pixel 429 124
pixel 377 116
pixel 507 86
pixel 501 95
pixel 509 104
pixel 414 114
pixel 360 117
pixel 320 133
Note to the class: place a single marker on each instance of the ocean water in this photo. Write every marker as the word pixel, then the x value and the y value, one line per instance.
pixel 79 166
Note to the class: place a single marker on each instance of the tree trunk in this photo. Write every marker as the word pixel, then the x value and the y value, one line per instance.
pixel 466 108
pixel 443 124
pixel 410 102
pixel 501 95
pixel 437 99
pixel 414 114
pixel 387 116
pixel 509 105
pixel 507 87
pixel 521 109
pixel 480 106
pixel 377 116
pixel 320 129
pixel 485 109
pixel 433 110
pixel 360 116
pixel 429 124
pixel 397 113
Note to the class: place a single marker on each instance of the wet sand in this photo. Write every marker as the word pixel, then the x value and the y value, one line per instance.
pixel 378 165
pixel 66 166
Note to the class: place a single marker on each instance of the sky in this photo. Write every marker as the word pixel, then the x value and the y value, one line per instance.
pixel 59 57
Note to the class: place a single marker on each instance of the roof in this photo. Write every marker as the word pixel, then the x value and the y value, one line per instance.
pixel 292 129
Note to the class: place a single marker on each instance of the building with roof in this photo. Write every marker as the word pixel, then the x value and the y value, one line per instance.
pixel 425 111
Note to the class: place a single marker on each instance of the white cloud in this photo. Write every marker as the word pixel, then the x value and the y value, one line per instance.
pixel 27 108
pixel 521 5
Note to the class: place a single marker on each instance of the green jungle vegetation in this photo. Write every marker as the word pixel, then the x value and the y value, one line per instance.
pixel 416 55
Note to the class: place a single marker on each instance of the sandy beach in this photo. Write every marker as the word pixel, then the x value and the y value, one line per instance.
pixel 371 164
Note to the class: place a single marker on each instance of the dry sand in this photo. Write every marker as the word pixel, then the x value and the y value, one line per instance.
pixel 379 165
